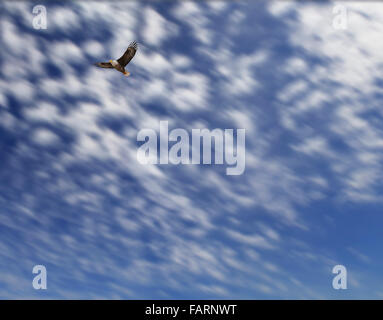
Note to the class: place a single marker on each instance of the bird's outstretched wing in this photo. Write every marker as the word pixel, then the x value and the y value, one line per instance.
pixel 103 64
pixel 128 55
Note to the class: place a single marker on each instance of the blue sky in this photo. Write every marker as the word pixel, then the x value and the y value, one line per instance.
pixel 74 197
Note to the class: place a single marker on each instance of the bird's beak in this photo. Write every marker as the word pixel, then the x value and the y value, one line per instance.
pixel 110 61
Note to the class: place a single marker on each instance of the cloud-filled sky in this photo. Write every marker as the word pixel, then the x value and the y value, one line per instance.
pixel 73 196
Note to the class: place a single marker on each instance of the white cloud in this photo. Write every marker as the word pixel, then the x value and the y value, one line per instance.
pixel 238 71
pixel 253 240
pixel 22 90
pixel 154 63
pixel 313 145
pixel 65 50
pixel 192 14
pixel 7 120
pixel 157 28
pixel 60 19
pixel 94 48
pixel 292 90
pixel 350 58
pixel 44 137
pixel 181 61
pixel 43 112
pixel 169 211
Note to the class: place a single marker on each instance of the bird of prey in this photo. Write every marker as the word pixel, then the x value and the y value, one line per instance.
pixel 120 64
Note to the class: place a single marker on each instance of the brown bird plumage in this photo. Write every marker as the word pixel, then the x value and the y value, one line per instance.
pixel 121 63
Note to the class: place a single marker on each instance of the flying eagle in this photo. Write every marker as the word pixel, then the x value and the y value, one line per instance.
pixel 120 64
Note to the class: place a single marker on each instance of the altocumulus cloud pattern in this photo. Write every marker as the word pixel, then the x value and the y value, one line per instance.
pixel 74 198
